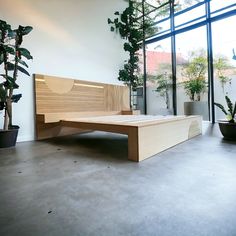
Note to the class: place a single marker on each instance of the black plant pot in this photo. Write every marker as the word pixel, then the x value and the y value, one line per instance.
pixel 8 137
pixel 228 130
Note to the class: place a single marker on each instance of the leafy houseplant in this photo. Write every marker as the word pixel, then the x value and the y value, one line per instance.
pixel 131 27
pixel 228 127
pixel 195 70
pixel 11 62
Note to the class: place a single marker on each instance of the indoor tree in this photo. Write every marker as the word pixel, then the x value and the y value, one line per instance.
pixel 12 57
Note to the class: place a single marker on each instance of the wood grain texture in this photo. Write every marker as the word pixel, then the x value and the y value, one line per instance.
pixel 161 136
pixel 60 98
pixel 147 135
pixel 55 95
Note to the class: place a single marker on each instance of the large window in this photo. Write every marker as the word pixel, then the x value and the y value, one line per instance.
pixel 224 48
pixel 159 78
pixel 192 76
pixel 198 36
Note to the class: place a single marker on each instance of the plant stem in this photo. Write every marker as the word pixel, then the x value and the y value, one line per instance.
pixel 6 113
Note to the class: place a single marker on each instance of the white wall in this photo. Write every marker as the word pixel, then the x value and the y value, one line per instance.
pixel 71 38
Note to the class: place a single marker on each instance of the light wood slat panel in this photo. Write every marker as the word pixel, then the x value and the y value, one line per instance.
pixel 53 94
pixel 114 100
pixel 57 98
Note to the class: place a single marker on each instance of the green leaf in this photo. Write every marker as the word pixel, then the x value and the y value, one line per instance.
pixel 16 97
pixel 229 117
pixel 3 93
pixel 1 59
pixel 221 107
pixel 24 30
pixel 11 82
pixel 2 105
pixel 25 53
pixel 234 111
pixel 117 13
pixel 22 63
pixel 11 34
pixel 21 69
pixel 10 66
pixel 6 49
pixel 109 21
pixel 4 26
pixel 7 77
pixel 229 104
pixel 112 29
pixel 10 85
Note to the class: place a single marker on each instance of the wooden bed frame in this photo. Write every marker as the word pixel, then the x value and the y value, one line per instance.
pixel 66 106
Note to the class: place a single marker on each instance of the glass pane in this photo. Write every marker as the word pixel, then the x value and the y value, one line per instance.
pixel 183 4
pixel 218 4
pixel 158 9
pixel 159 78
pixel 224 48
pixel 137 96
pixel 159 15
pixel 162 28
pixel 156 3
pixel 190 17
pixel 192 91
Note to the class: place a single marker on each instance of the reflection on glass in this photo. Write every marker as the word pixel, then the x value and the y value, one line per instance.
pixel 159 78
pixel 159 13
pixel 183 4
pixel 192 73
pixel 137 96
pixel 224 48
pixel 156 3
pixel 190 16
pixel 162 27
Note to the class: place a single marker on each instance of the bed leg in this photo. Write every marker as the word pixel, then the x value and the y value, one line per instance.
pixel 133 149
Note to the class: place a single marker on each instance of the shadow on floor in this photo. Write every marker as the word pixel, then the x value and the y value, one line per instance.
pixel 94 145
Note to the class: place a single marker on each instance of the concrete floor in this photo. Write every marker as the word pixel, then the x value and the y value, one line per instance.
pixel 84 185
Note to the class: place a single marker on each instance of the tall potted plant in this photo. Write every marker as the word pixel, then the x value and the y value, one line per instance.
pixel 12 62
pixel 195 71
pixel 132 28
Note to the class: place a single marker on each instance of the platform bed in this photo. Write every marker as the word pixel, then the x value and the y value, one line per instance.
pixel 147 135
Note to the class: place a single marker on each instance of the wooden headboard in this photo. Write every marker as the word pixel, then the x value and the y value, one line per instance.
pixel 57 98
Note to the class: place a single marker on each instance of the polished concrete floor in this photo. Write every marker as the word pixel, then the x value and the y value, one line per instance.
pixel 84 185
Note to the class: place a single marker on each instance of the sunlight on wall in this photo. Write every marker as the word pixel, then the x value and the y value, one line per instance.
pixel 70 39
pixel 23 10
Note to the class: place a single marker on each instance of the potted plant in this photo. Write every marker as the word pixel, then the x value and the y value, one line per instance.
pixel 133 29
pixel 228 126
pixel 196 85
pixel 11 62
